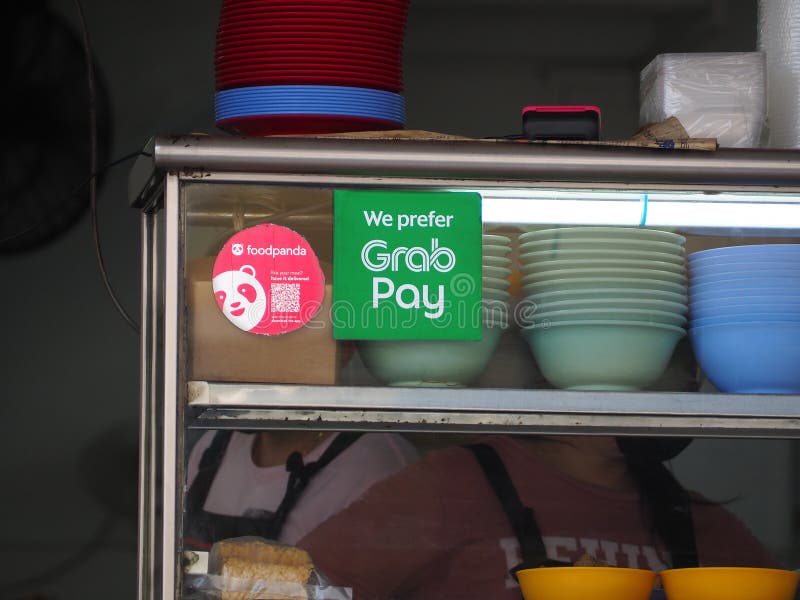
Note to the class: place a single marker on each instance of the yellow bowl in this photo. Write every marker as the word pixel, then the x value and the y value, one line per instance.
pixel 729 583
pixel 586 583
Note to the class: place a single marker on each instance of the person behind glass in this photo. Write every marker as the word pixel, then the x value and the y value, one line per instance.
pixel 459 522
pixel 279 485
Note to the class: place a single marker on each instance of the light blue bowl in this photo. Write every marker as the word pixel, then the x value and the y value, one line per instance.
pixel 609 302
pixel 591 231
pixel 746 317
pixel 607 272
pixel 750 358
pixel 547 266
pixel 603 244
pixel 598 253
pixel 602 355
pixel 430 363
pixel 751 284
pixel 786 259
pixel 714 272
pixel 745 251
pixel 722 307
pixel 727 295
pixel 591 283
pixel 552 317
pixel 602 292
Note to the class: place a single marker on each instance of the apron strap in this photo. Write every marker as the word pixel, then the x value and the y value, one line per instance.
pixel 204 528
pixel 521 517
pixel 670 507
pixel 209 465
pixel 669 504
pixel 301 474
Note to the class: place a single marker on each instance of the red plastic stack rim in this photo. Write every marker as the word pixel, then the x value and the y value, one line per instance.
pixel 335 42
pixel 266 125
pixel 349 43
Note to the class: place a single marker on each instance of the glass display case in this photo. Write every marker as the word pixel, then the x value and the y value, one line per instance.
pixel 200 372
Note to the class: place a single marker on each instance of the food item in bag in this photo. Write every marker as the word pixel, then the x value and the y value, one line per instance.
pixel 276 571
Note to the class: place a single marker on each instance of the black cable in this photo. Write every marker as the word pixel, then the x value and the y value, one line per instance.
pixel 107 166
pixel 77 189
pixel 87 48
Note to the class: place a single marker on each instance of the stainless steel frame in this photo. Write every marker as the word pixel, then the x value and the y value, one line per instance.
pixel 475 160
pixel 166 417
pixel 223 406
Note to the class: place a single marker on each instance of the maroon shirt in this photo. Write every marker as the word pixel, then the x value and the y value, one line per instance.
pixel 436 530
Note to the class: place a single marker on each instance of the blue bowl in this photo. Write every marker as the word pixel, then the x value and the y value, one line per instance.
pixel 727 295
pixel 748 357
pixel 751 285
pixel 785 259
pixel 713 271
pixel 744 252
pixel 737 307
pixel 745 317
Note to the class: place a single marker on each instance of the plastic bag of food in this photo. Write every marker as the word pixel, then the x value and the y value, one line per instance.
pixel 251 568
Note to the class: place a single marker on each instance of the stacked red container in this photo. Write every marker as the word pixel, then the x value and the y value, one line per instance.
pixel 290 66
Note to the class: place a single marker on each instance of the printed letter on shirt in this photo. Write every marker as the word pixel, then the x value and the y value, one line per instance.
pixel 511 550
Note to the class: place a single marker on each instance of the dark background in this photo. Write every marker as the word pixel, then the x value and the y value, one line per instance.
pixel 71 363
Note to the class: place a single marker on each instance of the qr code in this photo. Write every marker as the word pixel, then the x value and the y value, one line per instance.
pixel 285 297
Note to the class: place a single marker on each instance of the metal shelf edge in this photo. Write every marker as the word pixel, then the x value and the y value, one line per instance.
pixel 648 404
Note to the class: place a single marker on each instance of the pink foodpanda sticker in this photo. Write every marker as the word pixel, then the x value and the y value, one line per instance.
pixel 267 280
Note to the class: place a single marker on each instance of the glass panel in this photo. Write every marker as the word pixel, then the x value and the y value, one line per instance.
pixel 427 524
pixel 218 350
pixel 551 283
pixel 431 526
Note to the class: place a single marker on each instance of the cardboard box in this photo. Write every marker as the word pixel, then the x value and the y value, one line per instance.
pixel 219 351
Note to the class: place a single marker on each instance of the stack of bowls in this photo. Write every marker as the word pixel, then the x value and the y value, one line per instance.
pixel 745 317
pixel 580 583
pixel 290 66
pixel 449 363
pixel 729 583
pixel 602 307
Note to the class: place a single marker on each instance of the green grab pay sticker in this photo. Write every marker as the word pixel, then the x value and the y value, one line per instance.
pixel 407 265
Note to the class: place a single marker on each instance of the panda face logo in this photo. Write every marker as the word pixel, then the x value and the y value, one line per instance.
pixel 241 297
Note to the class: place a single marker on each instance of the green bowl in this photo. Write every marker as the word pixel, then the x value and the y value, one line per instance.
pixel 546 266
pixel 497 240
pixel 493 250
pixel 592 283
pixel 609 314
pixel 496 261
pixel 600 253
pixel 602 292
pixel 602 355
pixel 495 294
pixel 429 363
pixel 611 302
pixel 498 272
pixel 554 274
pixel 602 244
pixel 616 233
pixel 495 283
